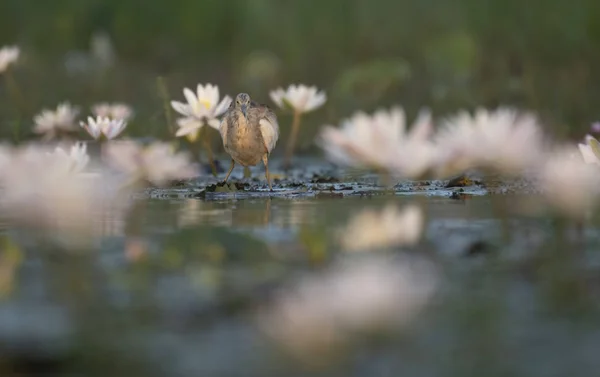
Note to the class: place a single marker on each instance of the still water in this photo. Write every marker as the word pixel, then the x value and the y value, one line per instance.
pixel 175 292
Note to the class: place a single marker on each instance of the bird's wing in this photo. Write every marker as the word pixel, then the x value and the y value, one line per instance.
pixel 223 128
pixel 269 128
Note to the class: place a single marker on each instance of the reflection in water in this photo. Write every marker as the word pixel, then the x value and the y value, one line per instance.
pixel 316 318
pixel 183 281
pixel 251 213
pixel 280 213
pixel 193 212
pixel 11 257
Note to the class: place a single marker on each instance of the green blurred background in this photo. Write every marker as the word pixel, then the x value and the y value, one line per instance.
pixel 444 54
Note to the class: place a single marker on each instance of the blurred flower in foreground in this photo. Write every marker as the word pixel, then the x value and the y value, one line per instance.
pixel 202 107
pixel 502 141
pixel 590 150
pixel 118 111
pixel 381 142
pixel 324 312
pixel 40 194
pixel 300 99
pixel 380 229
pixel 570 186
pixel 107 127
pixel 8 55
pixel 54 123
pixel 77 158
pixel 156 163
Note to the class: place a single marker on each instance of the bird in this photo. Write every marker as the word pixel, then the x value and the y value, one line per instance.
pixel 250 132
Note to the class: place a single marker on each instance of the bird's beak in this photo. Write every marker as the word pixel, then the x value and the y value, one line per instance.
pixel 244 108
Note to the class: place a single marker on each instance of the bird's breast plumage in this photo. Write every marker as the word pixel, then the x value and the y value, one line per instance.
pixel 242 138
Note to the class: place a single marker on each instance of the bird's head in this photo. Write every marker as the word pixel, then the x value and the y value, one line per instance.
pixel 242 102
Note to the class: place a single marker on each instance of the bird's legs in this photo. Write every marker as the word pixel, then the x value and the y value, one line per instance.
pixel 266 162
pixel 230 170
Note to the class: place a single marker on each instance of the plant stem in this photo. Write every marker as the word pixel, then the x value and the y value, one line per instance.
pixel 209 153
pixel 164 95
pixel 292 140
pixel 17 98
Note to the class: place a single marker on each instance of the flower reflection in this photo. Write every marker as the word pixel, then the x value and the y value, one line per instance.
pixel 322 313
pixel 389 227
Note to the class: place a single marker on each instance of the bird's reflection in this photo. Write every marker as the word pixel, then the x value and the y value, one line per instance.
pixel 251 213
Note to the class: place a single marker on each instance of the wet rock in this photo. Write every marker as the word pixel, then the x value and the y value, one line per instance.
pixel 458 195
pixel 479 247
pixel 461 181
pixel 324 179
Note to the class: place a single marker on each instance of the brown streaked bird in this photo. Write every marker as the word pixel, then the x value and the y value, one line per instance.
pixel 249 131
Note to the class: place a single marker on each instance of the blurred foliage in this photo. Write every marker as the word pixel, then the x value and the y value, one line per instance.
pixel 444 54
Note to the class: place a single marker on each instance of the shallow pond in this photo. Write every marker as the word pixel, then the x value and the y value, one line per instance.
pixel 175 290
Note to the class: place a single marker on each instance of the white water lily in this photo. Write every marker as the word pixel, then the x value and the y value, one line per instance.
pixel 52 123
pixel 119 111
pixel 301 98
pixel 156 163
pixel 503 140
pixel 590 150
pixel 322 313
pixel 380 229
pixel 107 127
pixel 202 107
pixel 8 55
pixel 381 141
pixel 76 159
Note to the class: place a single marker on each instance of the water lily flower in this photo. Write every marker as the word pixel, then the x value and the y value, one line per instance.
pixel 8 55
pixel 503 141
pixel 157 163
pixel 381 141
pixel 300 98
pixel 570 185
pixel 76 159
pixel 380 229
pixel 590 150
pixel 52 123
pixel 322 312
pixel 202 107
pixel 119 111
pixel 107 127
